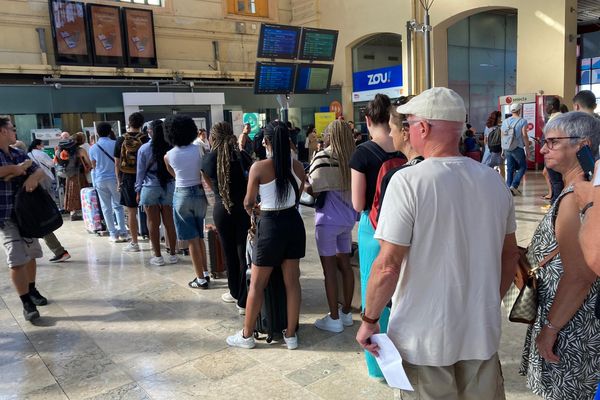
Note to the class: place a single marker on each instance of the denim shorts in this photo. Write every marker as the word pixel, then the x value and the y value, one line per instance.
pixel 189 210
pixel 157 196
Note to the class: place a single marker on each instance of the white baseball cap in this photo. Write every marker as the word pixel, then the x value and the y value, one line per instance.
pixel 514 107
pixel 438 103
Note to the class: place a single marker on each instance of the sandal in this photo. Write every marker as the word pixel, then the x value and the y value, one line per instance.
pixel 197 285
pixel 547 197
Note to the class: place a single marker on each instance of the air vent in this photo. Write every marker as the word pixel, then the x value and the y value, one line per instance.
pixel 240 27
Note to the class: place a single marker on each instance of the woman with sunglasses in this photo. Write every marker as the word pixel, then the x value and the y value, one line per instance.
pixel 561 356
pixel 155 186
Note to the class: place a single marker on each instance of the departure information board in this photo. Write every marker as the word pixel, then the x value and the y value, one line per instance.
pixel 313 78
pixel 278 41
pixel 274 78
pixel 318 44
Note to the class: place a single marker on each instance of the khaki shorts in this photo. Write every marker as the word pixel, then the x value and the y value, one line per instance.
pixel 465 380
pixel 19 250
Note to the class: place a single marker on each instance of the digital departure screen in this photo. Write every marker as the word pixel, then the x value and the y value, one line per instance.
pixel 313 78
pixel 318 44
pixel 274 78
pixel 278 41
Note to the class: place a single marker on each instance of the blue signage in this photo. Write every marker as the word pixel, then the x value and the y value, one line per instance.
pixel 376 79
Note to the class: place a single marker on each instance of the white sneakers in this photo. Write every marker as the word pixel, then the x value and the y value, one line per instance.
pixel 158 261
pixel 228 298
pixel 131 247
pixel 334 325
pixel 238 340
pixel 171 259
pixel 241 310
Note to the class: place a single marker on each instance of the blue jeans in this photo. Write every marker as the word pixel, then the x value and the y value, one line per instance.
pixel 189 210
pixel 515 159
pixel 110 201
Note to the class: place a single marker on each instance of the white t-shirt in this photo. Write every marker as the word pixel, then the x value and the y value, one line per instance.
pixel 454 213
pixel 186 161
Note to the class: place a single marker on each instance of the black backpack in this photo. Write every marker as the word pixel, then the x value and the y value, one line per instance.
pixel 36 213
pixel 495 140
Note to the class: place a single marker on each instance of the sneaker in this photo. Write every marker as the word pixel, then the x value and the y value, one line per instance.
pixel 238 340
pixel 30 312
pixel 37 298
pixel 346 318
pixel 171 259
pixel 228 298
pixel 291 342
pixel 515 191
pixel 198 284
pixel 207 277
pixel 241 310
pixel 329 324
pixel 63 257
pixel 131 247
pixel 114 239
pixel 158 261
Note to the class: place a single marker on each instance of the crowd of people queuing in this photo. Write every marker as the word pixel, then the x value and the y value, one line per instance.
pixel 424 279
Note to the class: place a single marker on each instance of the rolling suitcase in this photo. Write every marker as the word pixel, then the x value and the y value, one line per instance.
pixel 272 319
pixel 90 210
pixel 142 223
pixel 215 252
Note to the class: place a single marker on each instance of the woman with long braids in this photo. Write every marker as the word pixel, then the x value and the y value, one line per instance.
pixel 329 179
pixel 154 187
pixel 280 237
pixel 225 169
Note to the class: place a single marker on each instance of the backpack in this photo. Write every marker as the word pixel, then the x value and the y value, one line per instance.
pixel 495 140
pixel 66 159
pixel 36 213
pixel 508 137
pixel 129 148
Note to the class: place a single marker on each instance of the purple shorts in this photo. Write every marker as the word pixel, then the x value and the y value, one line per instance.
pixel 332 240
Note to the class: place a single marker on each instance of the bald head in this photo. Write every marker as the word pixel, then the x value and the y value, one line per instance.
pixel 65 135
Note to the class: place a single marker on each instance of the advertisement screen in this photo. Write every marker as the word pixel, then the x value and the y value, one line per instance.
pixel 106 31
pixel 69 27
pixel 140 33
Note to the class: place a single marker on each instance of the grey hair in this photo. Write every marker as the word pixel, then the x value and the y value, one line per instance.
pixel 577 124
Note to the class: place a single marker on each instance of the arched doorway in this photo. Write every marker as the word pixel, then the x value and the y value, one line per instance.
pixel 482 61
pixel 376 68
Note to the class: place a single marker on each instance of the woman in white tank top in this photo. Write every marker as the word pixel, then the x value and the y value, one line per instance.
pixel 280 237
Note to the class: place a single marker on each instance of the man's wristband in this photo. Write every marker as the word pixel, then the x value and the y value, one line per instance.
pixel 367 319
pixel 585 208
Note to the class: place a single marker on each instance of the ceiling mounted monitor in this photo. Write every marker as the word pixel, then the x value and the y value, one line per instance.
pixel 313 78
pixel 318 44
pixel 278 41
pixel 274 78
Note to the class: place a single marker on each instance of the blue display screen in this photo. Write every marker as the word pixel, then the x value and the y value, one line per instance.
pixel 274 78
pixel 278 41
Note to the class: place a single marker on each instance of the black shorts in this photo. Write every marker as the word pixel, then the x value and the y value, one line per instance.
pixel 128 193
pixel 280 235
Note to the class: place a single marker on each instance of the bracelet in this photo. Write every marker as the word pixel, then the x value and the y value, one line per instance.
pixel 585 208
pixel 550 326
pixel 367 319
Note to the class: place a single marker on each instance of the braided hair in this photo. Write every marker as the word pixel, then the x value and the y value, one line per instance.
pixel 342 146
pixel 225 144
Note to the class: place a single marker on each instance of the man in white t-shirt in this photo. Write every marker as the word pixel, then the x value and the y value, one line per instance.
pixel 445 287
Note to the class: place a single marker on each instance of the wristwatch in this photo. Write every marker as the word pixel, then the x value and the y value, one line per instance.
pixel 367 319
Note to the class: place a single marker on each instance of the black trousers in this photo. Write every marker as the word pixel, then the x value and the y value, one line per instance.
pixel 556 182
pixel 233 231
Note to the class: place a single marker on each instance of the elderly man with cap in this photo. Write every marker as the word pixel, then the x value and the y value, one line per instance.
pixel 516 149
pixel 445 287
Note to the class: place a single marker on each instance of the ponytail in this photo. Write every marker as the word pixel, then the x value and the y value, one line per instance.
pixel 279 136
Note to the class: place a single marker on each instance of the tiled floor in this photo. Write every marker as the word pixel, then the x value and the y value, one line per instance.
pixel 118 328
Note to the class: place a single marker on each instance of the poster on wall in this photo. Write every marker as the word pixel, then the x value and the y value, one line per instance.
pixel 322 120
pixel 139 36
pixel 254 120
pixel 106 35
pixel 529 115
pixel 69 32
pixel 237 122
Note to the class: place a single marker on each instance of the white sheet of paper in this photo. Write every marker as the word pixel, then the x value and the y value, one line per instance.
pixel 390 362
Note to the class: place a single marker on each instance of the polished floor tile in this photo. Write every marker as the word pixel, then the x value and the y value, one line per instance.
pixel 119 328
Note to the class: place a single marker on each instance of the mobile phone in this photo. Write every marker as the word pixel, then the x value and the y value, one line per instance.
pixel 586 160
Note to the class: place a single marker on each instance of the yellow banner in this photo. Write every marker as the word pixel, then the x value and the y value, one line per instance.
pixel 322 120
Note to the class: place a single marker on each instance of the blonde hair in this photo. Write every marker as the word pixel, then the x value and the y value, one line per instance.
pixel 342 146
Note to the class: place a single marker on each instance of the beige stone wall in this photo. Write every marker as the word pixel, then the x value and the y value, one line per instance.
pixel 185 30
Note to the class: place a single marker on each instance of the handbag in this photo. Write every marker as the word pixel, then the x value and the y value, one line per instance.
pixel 524 310
pixel 36 213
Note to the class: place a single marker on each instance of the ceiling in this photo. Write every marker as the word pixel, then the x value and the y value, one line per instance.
pixel 588 11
